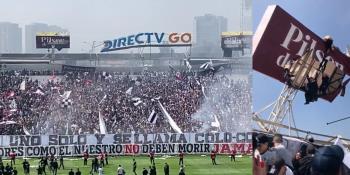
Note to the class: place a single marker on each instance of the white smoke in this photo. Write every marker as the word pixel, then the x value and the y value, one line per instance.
pixel 231 103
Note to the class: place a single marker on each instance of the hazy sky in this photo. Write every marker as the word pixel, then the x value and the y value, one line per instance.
pixel 334 21
pixel 89 20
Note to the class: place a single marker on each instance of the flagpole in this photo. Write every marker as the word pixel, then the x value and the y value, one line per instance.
pixel 153 136
pixel 338 120
pixel 53 59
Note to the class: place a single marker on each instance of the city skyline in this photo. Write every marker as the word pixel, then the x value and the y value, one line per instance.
pixel 31 31
pixel 96 21
pixel 16 39
pixel 10 38
pixel 207 33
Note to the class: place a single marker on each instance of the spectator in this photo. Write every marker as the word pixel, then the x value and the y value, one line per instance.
pixel 38 107
pixel 281 151
pixel 328 161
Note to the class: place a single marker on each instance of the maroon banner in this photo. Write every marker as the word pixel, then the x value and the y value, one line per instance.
pixel 280 38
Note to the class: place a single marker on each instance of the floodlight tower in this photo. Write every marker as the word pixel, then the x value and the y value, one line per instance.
pixel 281 108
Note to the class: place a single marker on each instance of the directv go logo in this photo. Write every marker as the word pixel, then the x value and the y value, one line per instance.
pixel 148 40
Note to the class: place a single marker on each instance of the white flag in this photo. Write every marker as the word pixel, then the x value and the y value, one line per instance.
pixel 103 129
pixel 205 96
pixel 204 66
pixel 38 91
pixel 103 98
pixel 153 117
pixel 136 99
pixel 13 105
pixel 66 94
pixel 188 65
pixel 216 123
pixel 171 121
pixel 22 87
pixel 67 128
pixel 137 103
pixel 26 132
pixel 207 65
pixel 128 91
pixel 198 83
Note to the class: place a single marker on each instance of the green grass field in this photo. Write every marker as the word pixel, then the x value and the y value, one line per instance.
pixel 194 165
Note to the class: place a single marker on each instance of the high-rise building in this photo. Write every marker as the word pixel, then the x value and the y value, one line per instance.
pixel 208 30
pixel 30 33
pixel 10 38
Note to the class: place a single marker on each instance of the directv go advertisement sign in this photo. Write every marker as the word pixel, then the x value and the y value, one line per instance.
pixel 154 39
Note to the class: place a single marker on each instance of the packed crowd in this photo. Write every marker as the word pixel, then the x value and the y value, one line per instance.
pixel 273 157
pixel 124 100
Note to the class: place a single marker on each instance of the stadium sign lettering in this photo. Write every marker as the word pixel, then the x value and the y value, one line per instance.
pixel 125 138
pixel 296 36
pixel 148 39
pixel 48 39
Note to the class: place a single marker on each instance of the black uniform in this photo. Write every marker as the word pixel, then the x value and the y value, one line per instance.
pixel 102 161
pixel 40 170
pixel 15 171
pixel 324 85
pixel 94 165
pixel 153 171
pixel 144 172
pixel 166 169
pixel 61 162
pixel 1 165
pixel 71 172
pixel 134 167
pixel 311 91
pixel 78 172
pixel 8 168
pixel 106 157
pixel 54 167
pixel 26 166
pixel 44 163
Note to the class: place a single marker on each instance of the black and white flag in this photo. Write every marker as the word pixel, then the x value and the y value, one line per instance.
pixel 188 65
pixel 66 103
pixel 136 101
pixel 66 94
pixel 207 65
pixel 153 117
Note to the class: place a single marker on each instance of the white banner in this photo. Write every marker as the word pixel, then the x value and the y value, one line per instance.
pixel 126 143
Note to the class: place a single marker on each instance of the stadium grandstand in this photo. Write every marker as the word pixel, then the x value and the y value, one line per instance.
pixel 69 93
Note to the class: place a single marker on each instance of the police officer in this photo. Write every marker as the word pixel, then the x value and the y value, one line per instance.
pixel 166 169
pixel 61 162
pixel 134 166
